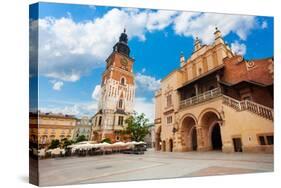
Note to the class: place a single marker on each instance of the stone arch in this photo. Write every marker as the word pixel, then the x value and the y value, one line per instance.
pixel 188 115
pixel 158 139
pixel 188 123
pixel 209 121
pixel 208 110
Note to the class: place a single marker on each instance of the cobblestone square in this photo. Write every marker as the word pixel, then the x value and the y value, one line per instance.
pixel 151 165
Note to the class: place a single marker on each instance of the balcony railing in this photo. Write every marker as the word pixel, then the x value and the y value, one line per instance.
pixel 251 106
pixel 201 97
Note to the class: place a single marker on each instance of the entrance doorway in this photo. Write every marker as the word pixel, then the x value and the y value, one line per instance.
pixel 237 143
pixel 188 133
pixel 216 137
pixel 194 139
pixel 171 145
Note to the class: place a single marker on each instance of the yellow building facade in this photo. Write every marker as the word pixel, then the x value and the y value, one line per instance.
pixel 45 127
pixel 216 100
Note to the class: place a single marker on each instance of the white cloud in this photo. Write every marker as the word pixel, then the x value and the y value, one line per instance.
pixel 202 25
pixel 69 49
pixel 78 109
pixel 147 82
pixel 264 25
pixel 238 48
pixel 57 85
pixel 96 93
pixel 160 19
pixel 142 105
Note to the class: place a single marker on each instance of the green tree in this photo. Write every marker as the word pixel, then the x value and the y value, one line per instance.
pixel 137 126
pixel 66 142
pixel 54 144
pixel 81 138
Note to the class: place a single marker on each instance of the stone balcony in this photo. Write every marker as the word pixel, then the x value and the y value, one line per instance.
pixel 201 98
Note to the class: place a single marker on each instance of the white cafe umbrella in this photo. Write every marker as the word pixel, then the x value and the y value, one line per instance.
pixel 141 142
pixel 132 143
pixel 84 142
pixel 71 146
pixel 105 144
pixel 84 146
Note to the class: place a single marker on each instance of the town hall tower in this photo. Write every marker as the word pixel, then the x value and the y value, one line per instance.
pixel 117 94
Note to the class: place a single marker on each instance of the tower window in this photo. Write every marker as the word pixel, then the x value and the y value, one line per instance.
pixel 120 120
pixel 100 121
pixel 120 103
pixel 122 81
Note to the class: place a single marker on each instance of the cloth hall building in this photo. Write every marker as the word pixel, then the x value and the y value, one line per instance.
pixel 216 100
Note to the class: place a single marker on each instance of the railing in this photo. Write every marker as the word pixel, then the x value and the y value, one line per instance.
pixel 251 106
pixel 256 108
pixel 201 97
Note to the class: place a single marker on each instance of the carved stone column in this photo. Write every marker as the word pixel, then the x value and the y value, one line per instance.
pixel 200 139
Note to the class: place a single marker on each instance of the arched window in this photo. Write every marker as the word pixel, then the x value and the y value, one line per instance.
pixel 122 81
pixel 120 103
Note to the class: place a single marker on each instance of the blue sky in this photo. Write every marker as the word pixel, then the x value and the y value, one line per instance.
pixel 74 41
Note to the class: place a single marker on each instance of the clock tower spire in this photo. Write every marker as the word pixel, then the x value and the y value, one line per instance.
pixel 117 94
pixel 122 46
